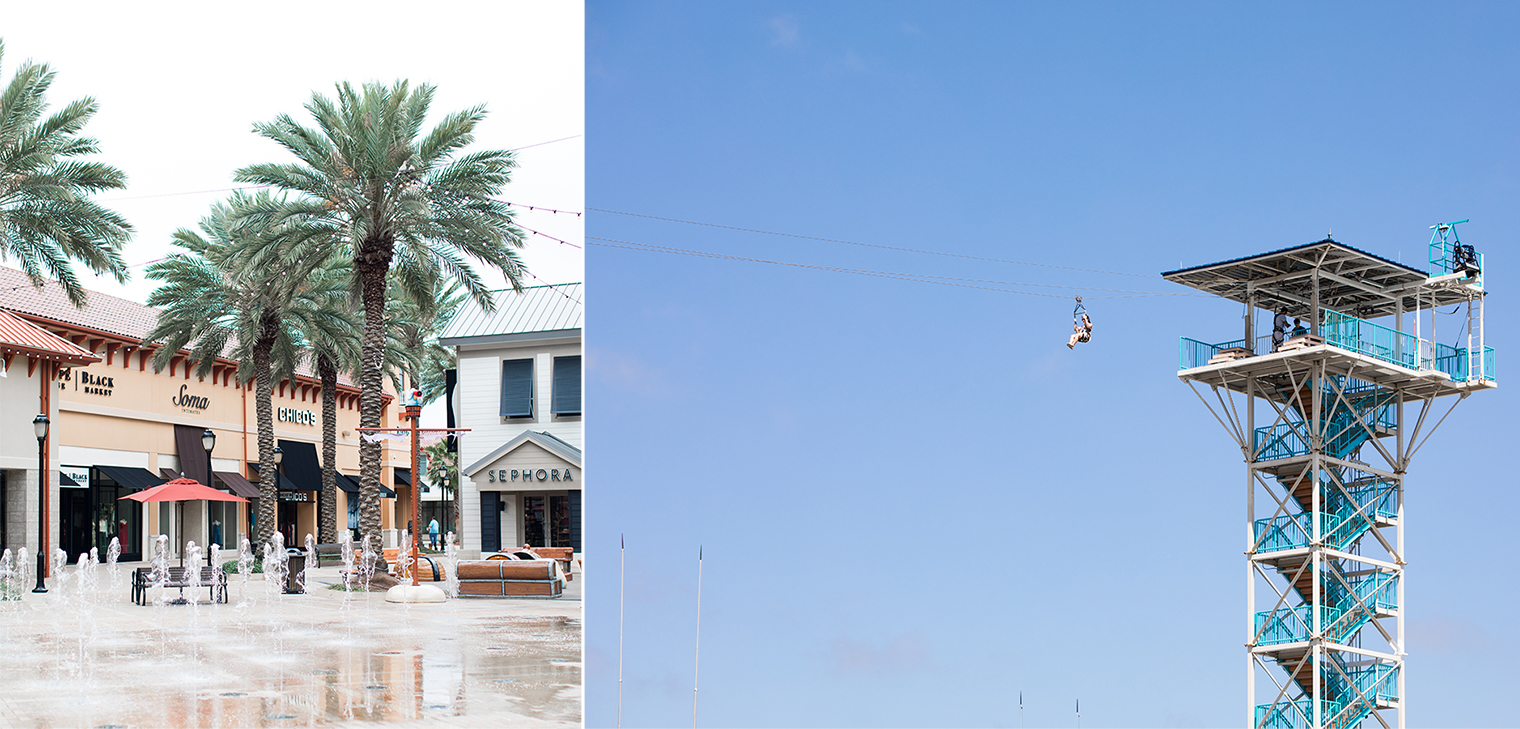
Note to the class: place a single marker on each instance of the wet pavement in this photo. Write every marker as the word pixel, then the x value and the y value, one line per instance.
pixel 91 658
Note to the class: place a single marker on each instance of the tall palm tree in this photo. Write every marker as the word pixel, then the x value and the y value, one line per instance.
pixel 331 334
pixel 47 219
pixel 236 292
pixel 397 197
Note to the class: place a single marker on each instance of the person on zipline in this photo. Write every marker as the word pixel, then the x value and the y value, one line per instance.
pixel 1081 329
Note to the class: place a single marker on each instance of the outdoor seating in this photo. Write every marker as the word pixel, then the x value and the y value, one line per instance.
pixel 329 554
pixel 212 578
pixel 510 578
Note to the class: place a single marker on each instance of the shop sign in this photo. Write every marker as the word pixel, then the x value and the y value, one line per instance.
pixel 80 474
pixel 299 417
pixel 294 496
pixel 91 384
pixel 188 401
pixel 528 475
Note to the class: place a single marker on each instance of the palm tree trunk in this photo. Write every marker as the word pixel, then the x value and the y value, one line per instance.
pixel 269 477
pixel 372 268
pixel 327 527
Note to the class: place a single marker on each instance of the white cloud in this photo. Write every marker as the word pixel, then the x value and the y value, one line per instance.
pixel 784 30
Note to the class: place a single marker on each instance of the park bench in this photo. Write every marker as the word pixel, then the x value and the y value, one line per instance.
pixel 212 578
pixel 510 578
pixel 329 554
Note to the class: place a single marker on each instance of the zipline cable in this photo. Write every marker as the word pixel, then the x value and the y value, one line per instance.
pixel 873 245
pixel 921 278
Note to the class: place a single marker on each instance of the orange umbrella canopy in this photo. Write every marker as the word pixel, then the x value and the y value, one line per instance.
pixel 182 489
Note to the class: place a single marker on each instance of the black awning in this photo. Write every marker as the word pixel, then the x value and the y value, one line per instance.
pixel 68 483
pixel 301 464
pixel 194 461
pixel 237 484
pixel 285 483
pixel 350 484
pixel 402 476
pixel 129 477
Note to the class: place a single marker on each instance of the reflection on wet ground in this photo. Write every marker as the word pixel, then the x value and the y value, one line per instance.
pixel 264 659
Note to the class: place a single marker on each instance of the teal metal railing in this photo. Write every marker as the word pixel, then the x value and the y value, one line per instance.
pixel 1364 337
pixel 1378 683
pixel 1193 353
pixel 1285 440
pixel 1286 625
pixel 1295 714
pixel 1290 531
pixel 1343 613
pixel 1461 366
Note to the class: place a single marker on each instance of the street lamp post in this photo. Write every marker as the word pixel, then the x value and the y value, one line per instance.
pixel 208 441
pixel 279 457
pixel 40 428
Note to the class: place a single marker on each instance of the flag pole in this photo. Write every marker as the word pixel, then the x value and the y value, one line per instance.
pixel 622 572
pixel 697 662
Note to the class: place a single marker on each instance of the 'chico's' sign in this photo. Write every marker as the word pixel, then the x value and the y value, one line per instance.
pixel 528 475
pixel 299 417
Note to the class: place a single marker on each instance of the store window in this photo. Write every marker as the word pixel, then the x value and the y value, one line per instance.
pixel 517 388
pixel 567 385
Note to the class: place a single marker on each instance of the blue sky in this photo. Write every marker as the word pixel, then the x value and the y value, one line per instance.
pixel 914 501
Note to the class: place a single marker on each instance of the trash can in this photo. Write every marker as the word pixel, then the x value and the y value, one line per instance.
pixel 295 561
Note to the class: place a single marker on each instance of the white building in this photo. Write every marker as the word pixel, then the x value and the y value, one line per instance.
pixel 519 393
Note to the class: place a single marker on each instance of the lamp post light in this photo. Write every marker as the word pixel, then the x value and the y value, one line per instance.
pixel 40 428
pixel 279 456
pixel 208 441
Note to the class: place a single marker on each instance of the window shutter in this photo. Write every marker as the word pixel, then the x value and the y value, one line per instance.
pixel 517 388
pixel 567 385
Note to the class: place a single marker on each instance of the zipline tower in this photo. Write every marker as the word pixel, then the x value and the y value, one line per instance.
pixel 1348 392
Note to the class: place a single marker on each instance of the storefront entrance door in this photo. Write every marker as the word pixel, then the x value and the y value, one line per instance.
pixel 288 522
pixel 74 527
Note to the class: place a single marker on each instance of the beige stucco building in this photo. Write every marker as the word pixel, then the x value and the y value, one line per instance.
pixel 118 426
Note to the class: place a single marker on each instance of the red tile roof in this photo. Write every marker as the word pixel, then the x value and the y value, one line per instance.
pixel 102 313
pixel 18 336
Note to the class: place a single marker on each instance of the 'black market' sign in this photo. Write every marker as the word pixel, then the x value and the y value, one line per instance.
pixel 93 384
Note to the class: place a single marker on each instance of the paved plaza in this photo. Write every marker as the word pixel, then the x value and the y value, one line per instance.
pixel 85 656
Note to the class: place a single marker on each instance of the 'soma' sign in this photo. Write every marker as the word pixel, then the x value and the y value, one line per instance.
pixel 186 400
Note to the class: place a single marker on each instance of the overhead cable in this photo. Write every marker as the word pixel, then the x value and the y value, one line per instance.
pixel 872 245
pixel 921 278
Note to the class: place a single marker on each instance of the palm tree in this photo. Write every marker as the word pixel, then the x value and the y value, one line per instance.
pixel 46 217
pixel 235 293
pixel 332 338
pixel 401 199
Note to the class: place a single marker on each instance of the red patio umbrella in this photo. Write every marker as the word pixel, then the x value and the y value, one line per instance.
pixel 182 490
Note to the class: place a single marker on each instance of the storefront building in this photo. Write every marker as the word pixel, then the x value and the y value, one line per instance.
pixel 519 393
pixel 121 427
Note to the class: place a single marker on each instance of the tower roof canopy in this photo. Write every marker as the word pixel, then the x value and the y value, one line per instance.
pixel 1351 281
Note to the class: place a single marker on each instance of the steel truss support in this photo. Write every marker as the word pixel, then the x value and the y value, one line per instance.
pixel 1324 536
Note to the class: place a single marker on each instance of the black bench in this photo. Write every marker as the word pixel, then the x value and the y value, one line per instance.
pixel 329 554
pixel 212 578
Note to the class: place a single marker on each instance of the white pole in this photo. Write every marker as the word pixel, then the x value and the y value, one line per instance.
pixel 622 574
pixel 697 662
